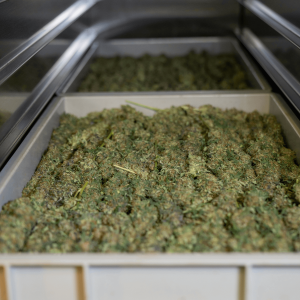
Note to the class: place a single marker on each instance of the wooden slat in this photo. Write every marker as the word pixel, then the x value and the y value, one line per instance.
pixel 80 283
pixel 242 284
pixel 3 284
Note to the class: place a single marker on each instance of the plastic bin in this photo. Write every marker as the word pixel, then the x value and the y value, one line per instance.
pixel 169 47
pixel 207 276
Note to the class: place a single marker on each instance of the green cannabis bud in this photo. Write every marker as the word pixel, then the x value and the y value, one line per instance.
pixel 185 180
pixel 194 71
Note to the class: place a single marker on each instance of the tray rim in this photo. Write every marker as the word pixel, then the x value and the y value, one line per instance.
pixel 234 259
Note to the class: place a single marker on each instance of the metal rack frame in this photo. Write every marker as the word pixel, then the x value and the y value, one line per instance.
pixel 12 132
pixel 278 23
pixel 14 129
pixel 20 55
pixel 281 76
pixel 79 268
pixel 289 85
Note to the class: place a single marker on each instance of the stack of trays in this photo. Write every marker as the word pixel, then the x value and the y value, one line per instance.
pixel 147 276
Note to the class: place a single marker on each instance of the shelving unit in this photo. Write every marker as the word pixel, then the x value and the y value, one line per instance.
pixel 88 28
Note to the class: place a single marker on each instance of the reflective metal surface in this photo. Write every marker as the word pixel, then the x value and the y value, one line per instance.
pixel 275 43
pixel 289 9
pixel 287 53
pixel 17 57
pixel 14 129
pixel 30 74
pixel 9 103
pixel 18 124
pixel 169 18
pixel 277 22
pixel 20 19
pixel 167 8
pixel 282 77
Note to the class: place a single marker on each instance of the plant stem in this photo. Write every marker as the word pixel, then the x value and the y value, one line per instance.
pixel 124 169
pixel 80 191
pixel 109 136
pixel 142 105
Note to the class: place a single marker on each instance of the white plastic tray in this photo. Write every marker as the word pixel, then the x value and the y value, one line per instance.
pixel 202 276
pixel 170 47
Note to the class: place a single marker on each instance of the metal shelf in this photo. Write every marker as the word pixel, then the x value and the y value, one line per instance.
pixel 16 126
pixel 282 77
pixel 20 55
pixel 278 23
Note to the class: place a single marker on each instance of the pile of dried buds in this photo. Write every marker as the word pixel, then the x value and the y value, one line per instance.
pixel 185 180
pixel 195 71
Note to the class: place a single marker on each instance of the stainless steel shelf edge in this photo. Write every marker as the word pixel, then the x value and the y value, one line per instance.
pixel 169 46
pixel 75 74
pixel 264 85
pixel 9 102
pixel 13 130
pixel 278 23
pixel 284 79
pixel 16 58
